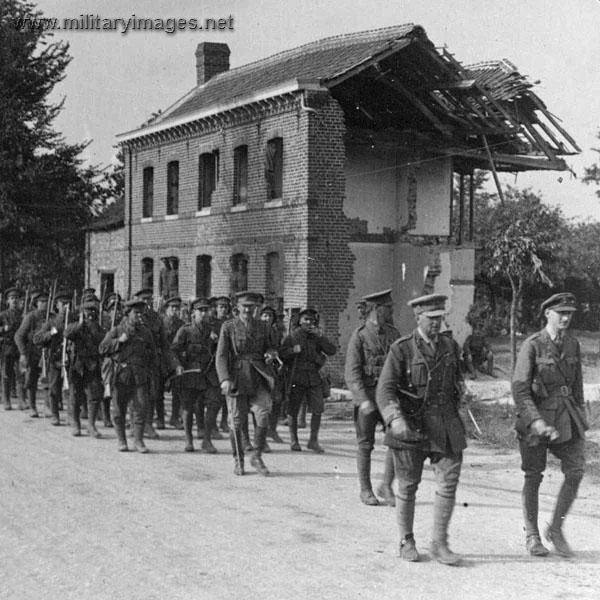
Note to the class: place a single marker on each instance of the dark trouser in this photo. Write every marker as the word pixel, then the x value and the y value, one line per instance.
pixel 137 397
pixel 160 401
pixel 206 402
pixel 32 375
pixel 239 407
pixel 175 405
pixel 85 387
pixel 365 425
pixel 11 378
pixel 55 382
pixel 533 463
pixel 313 397
pixel 408 465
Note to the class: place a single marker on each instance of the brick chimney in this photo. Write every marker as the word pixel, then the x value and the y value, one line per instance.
pixel 211 59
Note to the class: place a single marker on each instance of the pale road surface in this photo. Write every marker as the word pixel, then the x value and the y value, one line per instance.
pixel 80 520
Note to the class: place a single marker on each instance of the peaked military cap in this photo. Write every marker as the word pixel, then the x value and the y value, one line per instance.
pixel 173 300
pixel 247 298
pixel 89 291
pixel 383 297
pixel 268 309
pixel 90 305
pixel 144 293
pixel 431 305
pixel 564 302
pixel 134 303
pixel 39 295
pixel 63 295
pixel 13 291
pixel 311 313
pixel 200 303
pixel 222 300
pixel 112 298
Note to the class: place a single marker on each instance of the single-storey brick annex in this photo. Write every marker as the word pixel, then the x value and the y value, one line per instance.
pixel 321 174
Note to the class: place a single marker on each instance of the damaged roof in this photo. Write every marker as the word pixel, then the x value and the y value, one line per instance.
pixel 395 78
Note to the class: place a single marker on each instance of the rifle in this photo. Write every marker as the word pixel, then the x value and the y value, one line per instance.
pixel 114 313
pixel 102 300
pixel 65 377
pixel 25 307
pixel 44 376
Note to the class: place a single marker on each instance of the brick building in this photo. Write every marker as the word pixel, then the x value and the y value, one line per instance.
pixel 323 173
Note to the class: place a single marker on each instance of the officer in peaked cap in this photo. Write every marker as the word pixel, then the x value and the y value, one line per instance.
pixel 10 320
pixel 368 346
pixel 222 313
pixel 547 388
pixel 418 395
pixel 246 350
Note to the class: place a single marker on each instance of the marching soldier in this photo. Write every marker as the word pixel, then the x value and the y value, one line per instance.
pixel 222 314
pixel 50 336
pixel 131 345
pixel 245 353
pixel 153 321
pixel 29 353
pixel 85 367
pixel 418 395
pixel 111 316
pixel 10 320
pixel 269 316
pixel 548 391
pixel 172 324
pixel 305 350
pixel 195 346
pixel 367 349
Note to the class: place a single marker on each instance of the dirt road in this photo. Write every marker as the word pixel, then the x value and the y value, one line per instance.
pixel 80 520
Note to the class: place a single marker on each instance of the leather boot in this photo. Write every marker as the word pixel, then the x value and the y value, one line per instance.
pixel 530 502
pixel 442 513
pixel 32 403
pixel 106 412
pixel 54 408
pixel 385 489
pixel 93 408
pixel 302 416
pixel 273 420
pixel 313 442
pixel 138 436
pixel 260 436
pixel 245 431
pixel 363 466
pixel 237 447
pixel 210 426
pixel 119 423
pixel 75 419
pixel 566 497
pixel 188 427
pixel 293 427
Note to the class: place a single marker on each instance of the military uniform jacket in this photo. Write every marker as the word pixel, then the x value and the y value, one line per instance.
pixel 431 381
pixel 305 365
pixel 85 340
pixel 134 359
pixel 195 347
pixel 369 345
pixel 31 324
pixel 155 324
pixel 548 384
pixel 44 338
pixel 240 355
pixel 12 318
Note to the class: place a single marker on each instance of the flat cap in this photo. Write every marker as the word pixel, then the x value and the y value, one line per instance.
pixel 200 303
pixel 144 293
pixel 383 297
pixel 563 302
pixel 247 298
pixel 431 305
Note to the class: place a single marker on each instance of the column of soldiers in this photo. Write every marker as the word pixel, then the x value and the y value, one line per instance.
pixel 231 359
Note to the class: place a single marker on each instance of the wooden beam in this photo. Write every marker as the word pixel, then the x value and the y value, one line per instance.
pixel 471 195
pixel 493 166
pixel 461 208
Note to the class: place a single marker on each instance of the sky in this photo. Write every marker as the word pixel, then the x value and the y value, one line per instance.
pixel 117 80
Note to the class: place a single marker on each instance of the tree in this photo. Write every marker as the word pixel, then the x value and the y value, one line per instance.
pixel 520 237
pixel 46 195
pixel 592 173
